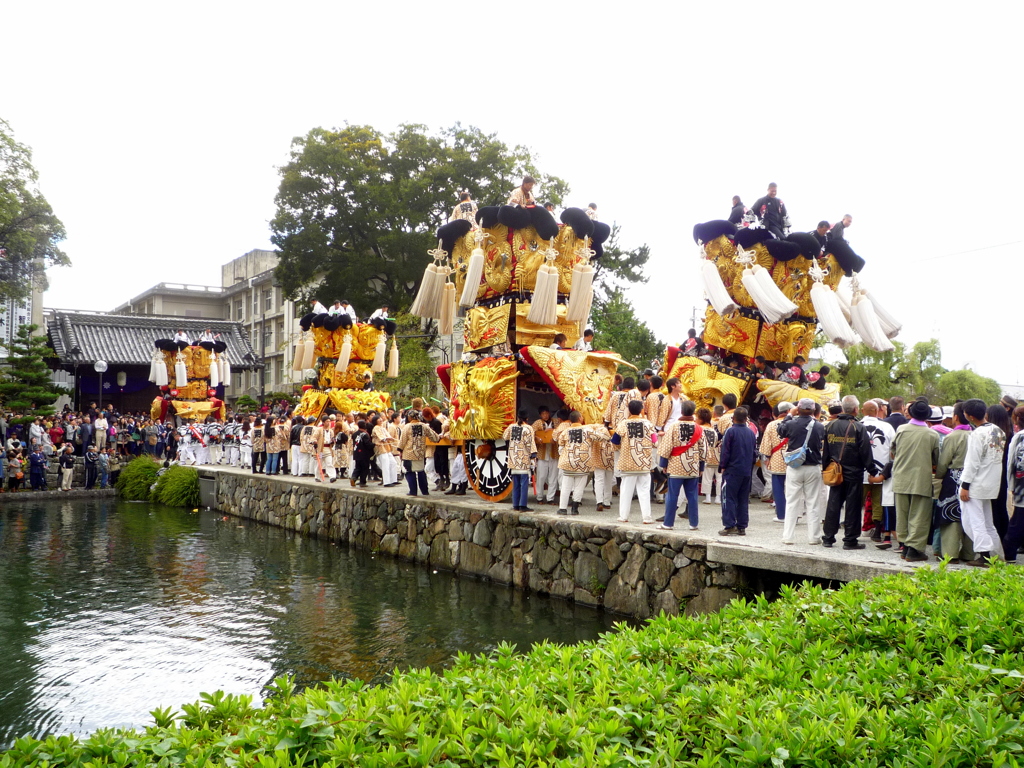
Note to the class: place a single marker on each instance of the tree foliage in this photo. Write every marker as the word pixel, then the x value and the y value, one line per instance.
pixel 26 386
pixel 909 372
pixel 357 209
pixel 617 328
pixel 416 376
pixel 619 265
pixel 29 230
pixel 964 384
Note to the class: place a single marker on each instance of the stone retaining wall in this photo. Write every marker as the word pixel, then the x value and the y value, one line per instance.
pixel 634 572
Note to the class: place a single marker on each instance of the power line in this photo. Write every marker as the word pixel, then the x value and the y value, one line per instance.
pixel 972 250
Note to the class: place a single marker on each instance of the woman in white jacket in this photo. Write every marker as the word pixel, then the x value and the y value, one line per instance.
pixel 980 481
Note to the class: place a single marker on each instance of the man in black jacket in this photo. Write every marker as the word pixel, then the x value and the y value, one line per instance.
pixel 848 444
pixel 294 438
pixel 803 482
pixel 772 211
pixel 738 211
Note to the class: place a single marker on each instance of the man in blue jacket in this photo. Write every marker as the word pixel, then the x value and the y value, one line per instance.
pixel 737 463
pixel 37 469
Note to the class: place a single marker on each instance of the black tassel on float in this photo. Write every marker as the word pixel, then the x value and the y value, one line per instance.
pixel 514 216
pixel 748 237
pixel 809 246
pixel 581 224
pixel 333 323
pixel 306 322
pixel 782 250
pixel 390 326
pixel 219 346
pixel 601 233
pixel 712 230
pixel 487 216
pixel 451 232
pixel 848 260
pixel 543 222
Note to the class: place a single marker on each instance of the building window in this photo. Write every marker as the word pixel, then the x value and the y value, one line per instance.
pixel 268 299
pixel 268 338
pixel 280 370
pixel 255 303
pixel 239 310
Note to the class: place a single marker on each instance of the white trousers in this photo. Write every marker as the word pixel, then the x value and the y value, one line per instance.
pixel 976 517
pixel 573 485
pixel 428 467
pixel 202 454
pixel 641 483
pixel 65 478
pixel 604 481
pixel 296 460
pixel 233 454
pixel 185 454
pixel 803 498
pixel 327 462
pixel 710 476
pixel 246 456
pixel 547 472
pixel 388 468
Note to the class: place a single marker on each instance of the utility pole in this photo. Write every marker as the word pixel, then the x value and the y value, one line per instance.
pixel 693 318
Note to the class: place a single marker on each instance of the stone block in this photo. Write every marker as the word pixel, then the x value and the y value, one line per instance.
pixel 709 600
pixel 474 559
pixel 562 587
pixel 583 597
pixel 658 571
pixel 612 555
pixel 686 582
pixel 681 561
pixel 633 567
pixel 455 531
pixel 500 572
pixel 453 553
pixel 520 573
pixel 439 557
pixel 727 576
pixel 618 598
pixel 422 551
pixel 545 557
pixel 538 583
pixel 696 551
pixel 390 543
pixel 590 571
pixel 641 599
pixel 666 602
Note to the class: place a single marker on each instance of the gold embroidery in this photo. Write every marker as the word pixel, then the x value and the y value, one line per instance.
pixel 485 327
pixel 483 398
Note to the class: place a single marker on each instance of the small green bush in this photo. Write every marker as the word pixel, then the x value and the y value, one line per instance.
pixel 178 487
pixel 917 670
pixel 134 482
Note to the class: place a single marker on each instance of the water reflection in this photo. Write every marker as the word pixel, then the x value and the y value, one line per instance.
pixel 109 609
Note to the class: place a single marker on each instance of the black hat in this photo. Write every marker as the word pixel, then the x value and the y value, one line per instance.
pixel 920 410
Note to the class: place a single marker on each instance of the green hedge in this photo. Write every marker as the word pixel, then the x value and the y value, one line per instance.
pixel 136 478
pixel 922 670
pixel 178 487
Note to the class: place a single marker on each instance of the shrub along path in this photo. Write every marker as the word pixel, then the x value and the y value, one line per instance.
pixel 906 670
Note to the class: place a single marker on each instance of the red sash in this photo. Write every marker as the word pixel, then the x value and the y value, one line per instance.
pixel 679 450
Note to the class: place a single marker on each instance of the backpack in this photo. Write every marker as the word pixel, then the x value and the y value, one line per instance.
pixel 797 457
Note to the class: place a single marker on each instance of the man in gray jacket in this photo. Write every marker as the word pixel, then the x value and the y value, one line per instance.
pixel 915 452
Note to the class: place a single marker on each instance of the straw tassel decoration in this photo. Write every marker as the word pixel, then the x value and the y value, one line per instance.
pixel 830 314
pixel 581 287
pixel 770 300
pixel 152 365
pixel 474 271
pixel 308 351
pixel 865 322
pixel 161 373
pixel 345 355
pixel 225 370
pixel 393 362
pixel 446 325
pixel 379 355
pixel 719 297
pixel 889 324
pixel 297 357
pixel 428 300
pixel 180 372
pixel 544 304
pixel 214 371
pixel 845 296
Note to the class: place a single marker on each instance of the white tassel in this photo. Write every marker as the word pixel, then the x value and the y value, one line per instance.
pixel 161 373
pixel 845 295
pixel 891 327
pixel 719 297
pixel 866 323
pixel 426 292
pixel 308 352
pixel 544 303
pixel 379 355
pixel 581 292
pixel 446 324
pixel 830 315
pixel 474 273
pixel 297 357
pixel 152 365
pixel 771 301
pixel 345 355
pixel 393 362
pixel 180 373
pixel 225 371
pixel 214 371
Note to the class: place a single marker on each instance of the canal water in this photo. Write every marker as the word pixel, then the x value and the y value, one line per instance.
pixel 109 609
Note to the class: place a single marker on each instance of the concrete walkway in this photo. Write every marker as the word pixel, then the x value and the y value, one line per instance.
pixel 761 547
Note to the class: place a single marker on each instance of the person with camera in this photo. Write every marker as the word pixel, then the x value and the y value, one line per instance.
pixel 846 455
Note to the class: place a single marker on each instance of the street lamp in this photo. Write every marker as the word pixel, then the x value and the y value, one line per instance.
pixel 100 366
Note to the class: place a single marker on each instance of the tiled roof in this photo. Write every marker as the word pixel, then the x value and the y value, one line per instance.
pixel 84 338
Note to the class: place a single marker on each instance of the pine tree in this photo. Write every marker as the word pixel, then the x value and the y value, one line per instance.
pixel 26 387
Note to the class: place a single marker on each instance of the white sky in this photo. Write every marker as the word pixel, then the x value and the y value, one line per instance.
pixel 157 130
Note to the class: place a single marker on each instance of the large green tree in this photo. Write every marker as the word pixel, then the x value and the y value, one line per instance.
pixel 357 209
pixel 416 376
pixel 908 372
pixel 26 386
pixel 29 230
pixel 618 265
